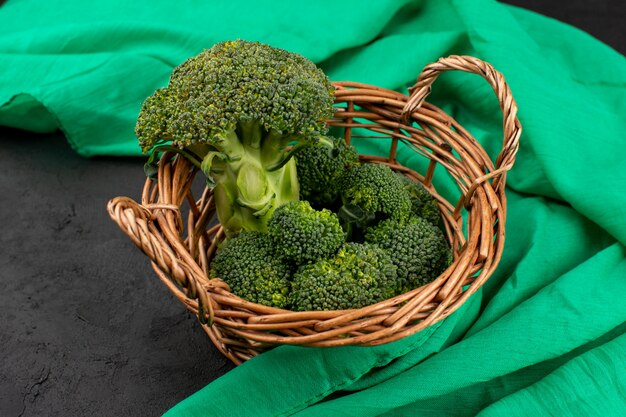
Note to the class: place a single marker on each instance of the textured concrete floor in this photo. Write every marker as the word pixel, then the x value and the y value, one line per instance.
pixel 85 327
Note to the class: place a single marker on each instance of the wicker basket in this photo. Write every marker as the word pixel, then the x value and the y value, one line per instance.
pixel 181 248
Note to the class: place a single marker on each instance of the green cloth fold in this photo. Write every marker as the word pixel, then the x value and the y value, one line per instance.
pixel 546 335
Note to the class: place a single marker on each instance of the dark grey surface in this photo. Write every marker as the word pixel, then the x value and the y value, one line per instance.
pixel 603 19
pixel 85 327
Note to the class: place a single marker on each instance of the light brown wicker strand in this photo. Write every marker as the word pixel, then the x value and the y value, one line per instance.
pixel 511 125
pixel 241 329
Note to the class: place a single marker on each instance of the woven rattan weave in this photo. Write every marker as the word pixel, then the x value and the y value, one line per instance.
pixel 171 224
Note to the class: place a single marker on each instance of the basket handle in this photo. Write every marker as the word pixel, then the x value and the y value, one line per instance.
pixel 136 221
pixel 511 125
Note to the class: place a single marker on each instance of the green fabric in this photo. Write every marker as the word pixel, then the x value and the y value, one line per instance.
pixel 545 336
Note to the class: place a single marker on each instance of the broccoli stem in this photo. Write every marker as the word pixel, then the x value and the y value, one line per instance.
pixel 246 188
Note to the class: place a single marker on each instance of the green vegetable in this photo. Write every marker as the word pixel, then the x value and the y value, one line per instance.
pixel 302 234
pixel 233 110
pixel 371 193
pixel 359 275
pixel 248 264
pixel 319 169
pixel 418 249
pixel 423 204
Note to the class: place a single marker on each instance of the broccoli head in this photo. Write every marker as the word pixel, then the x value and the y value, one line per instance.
pixel 319 169
pixel 423 204
pixel 359 275
pixel 248 264
pixel 301 234
pixel 417 248
pixel 371 193
pixel 233 110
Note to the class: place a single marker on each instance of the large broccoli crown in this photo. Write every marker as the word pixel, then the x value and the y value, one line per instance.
pixel 423 204
pixel 302 234
pixel 249 266
pixel 418 249
pixel 359 275
pixel 233 82
pixel 319 168
pixel 374 191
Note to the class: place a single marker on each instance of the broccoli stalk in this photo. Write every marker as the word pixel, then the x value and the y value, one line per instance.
pixel 239 112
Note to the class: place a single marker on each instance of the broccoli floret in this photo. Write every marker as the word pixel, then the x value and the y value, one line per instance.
pixel 418 249
pixel 371 193
pixel 423 204
pixel 319 169
pixel 301 234
pixel 359 275
pixel 248 264
pixel 233 110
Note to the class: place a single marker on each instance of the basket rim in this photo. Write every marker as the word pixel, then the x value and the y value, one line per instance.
pixel 156 227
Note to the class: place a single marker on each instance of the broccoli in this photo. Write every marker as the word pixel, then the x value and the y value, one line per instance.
pixel 423 204
pixel 302 234
pixel 371 193
pixel 233 110
pixel 248 264
pixel 359 275
pixel 418 249
pixel 319 169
